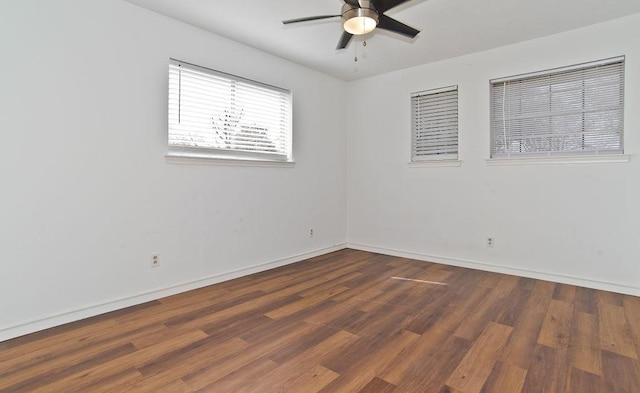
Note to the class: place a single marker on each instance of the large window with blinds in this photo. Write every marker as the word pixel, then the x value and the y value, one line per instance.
pixel 214 114
pixel 434 124
pixel 574 110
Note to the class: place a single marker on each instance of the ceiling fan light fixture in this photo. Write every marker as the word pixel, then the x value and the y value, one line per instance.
pixel 359 20
pixel 361 17
pixel 360 25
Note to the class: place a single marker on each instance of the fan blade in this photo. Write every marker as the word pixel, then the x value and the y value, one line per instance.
pixel 353 3
pixel 386 5
pixel 387 23
pixel 344 40
pixel 309 18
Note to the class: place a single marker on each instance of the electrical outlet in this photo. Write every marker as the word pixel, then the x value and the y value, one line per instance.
pixel 311 232
pixel 155 260
pixel 490 242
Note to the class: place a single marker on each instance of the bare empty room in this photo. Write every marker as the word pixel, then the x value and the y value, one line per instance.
pixel 321 196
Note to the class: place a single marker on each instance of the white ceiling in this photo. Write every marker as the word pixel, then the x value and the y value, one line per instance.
pixel 449 28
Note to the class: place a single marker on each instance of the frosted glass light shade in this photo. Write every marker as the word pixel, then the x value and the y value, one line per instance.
pixel 360 25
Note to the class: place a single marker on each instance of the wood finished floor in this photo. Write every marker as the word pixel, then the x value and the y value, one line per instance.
pixel 349 321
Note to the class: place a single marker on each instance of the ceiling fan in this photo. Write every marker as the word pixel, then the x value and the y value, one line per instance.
pixel 363 16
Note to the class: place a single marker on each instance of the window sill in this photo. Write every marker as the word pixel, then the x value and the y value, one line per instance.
pixel 559 160
pixel 186 159
pixel 434 163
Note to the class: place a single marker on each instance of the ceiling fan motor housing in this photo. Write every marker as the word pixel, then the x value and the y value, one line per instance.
pixel 359 20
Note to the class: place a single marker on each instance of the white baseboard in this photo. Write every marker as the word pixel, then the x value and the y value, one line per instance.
pixel 579 281
pixel 117 304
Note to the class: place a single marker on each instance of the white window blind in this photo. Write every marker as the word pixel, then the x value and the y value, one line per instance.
pixel 216 114
pixel 569 111
pixel 434 124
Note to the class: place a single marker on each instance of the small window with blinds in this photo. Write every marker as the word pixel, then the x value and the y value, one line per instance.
pixel 218 115
pixel 569 111
pixel 434 124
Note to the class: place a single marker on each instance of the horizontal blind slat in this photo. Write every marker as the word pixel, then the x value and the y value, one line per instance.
pixel 213 110
pixel 562 112
pixel 434 123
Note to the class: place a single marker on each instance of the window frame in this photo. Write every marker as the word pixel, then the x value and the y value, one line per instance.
pixel 558 156
pixel 185 153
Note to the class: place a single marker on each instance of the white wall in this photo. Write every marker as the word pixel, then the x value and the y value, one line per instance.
pixel 87 195
pixel 571 223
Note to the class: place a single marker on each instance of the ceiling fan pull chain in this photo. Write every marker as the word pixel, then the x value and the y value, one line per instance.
pixel 355 58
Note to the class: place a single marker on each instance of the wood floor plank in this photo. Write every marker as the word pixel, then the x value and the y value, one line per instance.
pixel 381 355
pixel 474 369
pixel 377 385
pixel 426 346
pixel 310 381
pixel 231 328
pixel 505 378
pixel 303 303
pixel 512 307
pixel 489 280
pixel 286 375
pixel 73 329
pixel 90 381
pixel 322 336
pixel 456 313
pixel 240 378
pixel 527 284
pixel 44 374
pixel 544 289
pixel 220 323
pixel 40 348
pixel 610 298
pixel 523 341
pixel 556 328
pixel 584 348
pixel 565 293
pixel 182 305
pixel 432 372
pixel 586 300
pixel 620 373
pixel 250 307
pixel 330 285
pixel 349 322
pixel 262 347
pixel 615 332
pixel 393 290
pixel 585 382
pixel 548 370
pixel 376 324
pixel 441 308
pixel 70 349
pixel 193 358
pixel 632 312
pixel 158 383
pixel 487 308
pixel 194 317
pixel 435 273
pixel 372 283
pixel 133 360
pixel 336 311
